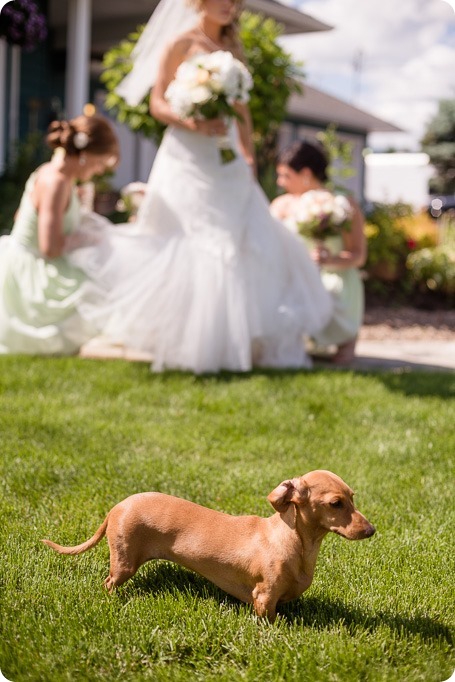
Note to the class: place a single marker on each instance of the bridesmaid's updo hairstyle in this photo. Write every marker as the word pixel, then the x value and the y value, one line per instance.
pixel 303 154
pixel 92 134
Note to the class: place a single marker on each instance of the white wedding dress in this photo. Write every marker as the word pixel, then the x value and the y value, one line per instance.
pixel 206 279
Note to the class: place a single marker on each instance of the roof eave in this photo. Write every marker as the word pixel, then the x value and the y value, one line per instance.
pixel 293 20
pixel 317 105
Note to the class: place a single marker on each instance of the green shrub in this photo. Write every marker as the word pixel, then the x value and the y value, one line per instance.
pixel 433 269
pixel 117 64
pixel 275 78
pixel 387 239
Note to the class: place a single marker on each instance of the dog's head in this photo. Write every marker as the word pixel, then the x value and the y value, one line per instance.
pixel 323 501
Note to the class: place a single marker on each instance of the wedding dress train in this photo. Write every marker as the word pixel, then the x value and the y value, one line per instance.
pixel 207 279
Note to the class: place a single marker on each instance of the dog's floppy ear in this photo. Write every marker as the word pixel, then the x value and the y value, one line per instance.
pixel 287 492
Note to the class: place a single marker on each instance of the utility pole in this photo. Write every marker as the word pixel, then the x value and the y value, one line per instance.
pixel 357 68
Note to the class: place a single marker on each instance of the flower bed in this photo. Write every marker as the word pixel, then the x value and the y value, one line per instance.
pixel 410 257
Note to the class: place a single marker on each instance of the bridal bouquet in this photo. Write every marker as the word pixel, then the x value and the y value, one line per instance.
pixel 321 214
pixel 207 86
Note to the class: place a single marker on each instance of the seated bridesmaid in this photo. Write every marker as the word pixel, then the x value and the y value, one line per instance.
pixel 39 286
pixel 303 168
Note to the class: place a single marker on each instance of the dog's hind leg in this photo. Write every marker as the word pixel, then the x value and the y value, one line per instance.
pixel 116 579
pixel 122 566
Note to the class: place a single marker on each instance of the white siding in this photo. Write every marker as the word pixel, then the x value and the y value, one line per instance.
pixel 398 177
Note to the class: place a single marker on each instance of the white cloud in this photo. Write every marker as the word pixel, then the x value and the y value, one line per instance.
pixel 406 51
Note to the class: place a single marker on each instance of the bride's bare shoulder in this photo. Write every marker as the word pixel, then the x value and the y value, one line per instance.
pixel 176 51
pixel 185 44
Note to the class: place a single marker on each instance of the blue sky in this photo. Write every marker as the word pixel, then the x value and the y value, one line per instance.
pixel 406 51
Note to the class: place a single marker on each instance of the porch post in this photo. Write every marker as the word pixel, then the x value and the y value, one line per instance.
pixel 78 56
pixel 3 57
pixel 14 102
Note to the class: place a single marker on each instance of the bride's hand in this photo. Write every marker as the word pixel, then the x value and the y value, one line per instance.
pixel 212 127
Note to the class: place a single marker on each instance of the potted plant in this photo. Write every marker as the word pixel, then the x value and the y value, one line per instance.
pixel 23 24
pixel 106 196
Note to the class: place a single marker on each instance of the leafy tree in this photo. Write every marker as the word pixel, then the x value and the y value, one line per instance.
pixel 275 77
pixel 439 143
pixel 339 154
pixel 117 63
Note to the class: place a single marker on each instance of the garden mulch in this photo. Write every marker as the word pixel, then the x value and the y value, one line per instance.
pixel 406 323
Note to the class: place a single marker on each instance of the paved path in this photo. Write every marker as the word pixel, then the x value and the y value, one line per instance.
pixel 433 355
pixel 371 355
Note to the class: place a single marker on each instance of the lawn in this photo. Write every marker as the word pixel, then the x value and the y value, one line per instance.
pixel 78 436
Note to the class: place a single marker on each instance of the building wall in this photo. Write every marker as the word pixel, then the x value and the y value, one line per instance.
pixel 42 88
pixel 32 96
pixel 392 178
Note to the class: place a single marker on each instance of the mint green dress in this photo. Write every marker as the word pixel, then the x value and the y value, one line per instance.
pixel 39 296
pixel 346 289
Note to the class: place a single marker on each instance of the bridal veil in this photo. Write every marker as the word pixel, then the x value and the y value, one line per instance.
pixel 170 18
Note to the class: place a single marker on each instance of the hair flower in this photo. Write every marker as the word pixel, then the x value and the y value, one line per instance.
pixel 80 140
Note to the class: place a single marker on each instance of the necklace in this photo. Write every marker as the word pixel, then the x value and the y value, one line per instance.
pixel 209 40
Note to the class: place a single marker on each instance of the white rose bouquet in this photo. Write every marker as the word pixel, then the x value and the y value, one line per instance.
pixel 321 214
pixel 207 86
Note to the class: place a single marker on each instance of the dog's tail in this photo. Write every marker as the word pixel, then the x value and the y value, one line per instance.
pixel 78 549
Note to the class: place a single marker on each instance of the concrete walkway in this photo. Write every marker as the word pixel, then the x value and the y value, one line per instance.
pixel 371 355
pixel 427 355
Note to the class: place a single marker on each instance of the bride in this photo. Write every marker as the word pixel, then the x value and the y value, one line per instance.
pixel 213 281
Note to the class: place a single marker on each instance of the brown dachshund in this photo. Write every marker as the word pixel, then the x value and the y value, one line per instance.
pixel 263 561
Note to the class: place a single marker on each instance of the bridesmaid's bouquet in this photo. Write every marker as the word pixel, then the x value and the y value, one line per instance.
pixel 207 86
pixel 321 214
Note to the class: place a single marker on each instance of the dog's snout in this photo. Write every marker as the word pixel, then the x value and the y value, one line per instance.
pixel 369 531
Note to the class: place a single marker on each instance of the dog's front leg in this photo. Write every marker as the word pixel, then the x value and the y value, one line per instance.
pixel 264 602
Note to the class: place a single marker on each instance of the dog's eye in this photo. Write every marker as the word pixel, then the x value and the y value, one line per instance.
pixel 337 504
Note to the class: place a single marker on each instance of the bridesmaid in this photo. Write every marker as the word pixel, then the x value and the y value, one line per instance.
pixel 39 287
pixel 302 168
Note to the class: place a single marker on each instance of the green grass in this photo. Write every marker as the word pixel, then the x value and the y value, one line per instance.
pixel 78 436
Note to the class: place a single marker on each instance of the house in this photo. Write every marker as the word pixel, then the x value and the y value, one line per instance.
pixel 62 74
pixel 315 110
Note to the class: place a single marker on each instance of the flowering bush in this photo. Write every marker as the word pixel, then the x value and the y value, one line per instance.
pixel 432 269
pixel 407 256
pixel 388 243
pixel 321 214
pixel 420 229
pixel 22 23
